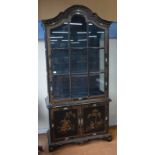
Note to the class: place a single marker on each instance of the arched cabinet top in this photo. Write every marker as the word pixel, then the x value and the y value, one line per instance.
pixel 77 10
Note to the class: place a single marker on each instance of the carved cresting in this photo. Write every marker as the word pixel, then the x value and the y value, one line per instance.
pixel 77 9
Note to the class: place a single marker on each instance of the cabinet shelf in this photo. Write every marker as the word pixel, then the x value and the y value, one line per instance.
pixel 78 48
pixel 77 74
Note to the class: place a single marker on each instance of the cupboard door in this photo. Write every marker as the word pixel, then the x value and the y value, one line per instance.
pixel 65 122
pixel 94 119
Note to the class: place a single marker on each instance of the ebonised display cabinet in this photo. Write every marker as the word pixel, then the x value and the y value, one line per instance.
pixel 77 60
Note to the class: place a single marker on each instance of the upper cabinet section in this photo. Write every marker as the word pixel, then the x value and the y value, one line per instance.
pixel 77 55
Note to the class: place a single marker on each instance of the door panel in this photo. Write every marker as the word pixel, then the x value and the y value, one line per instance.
pixel 94 118
pixel 65 122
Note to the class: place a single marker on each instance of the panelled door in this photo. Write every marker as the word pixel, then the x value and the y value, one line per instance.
pixel 65 122
pixel 94 118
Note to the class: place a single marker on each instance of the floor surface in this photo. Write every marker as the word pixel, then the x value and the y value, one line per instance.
pixel 94 147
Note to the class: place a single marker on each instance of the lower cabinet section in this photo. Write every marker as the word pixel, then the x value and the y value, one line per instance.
pixel 78 123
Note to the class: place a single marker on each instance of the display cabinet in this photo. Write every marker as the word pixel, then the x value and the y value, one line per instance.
pixel 77 58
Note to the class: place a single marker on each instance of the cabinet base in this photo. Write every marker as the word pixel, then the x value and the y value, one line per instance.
pixel 81 140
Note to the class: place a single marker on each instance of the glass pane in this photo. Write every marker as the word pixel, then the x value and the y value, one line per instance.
pixel 78 36
pixel 78 61
pixel 96 60
pixel 96 84
pixel 59 37
pixel 60 61
pixel 61 87
pixel 96 36
pixel 79 86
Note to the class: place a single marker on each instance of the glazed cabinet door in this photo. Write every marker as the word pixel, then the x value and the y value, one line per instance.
pixel 77 59
pixel 65 123
pixel 95 118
